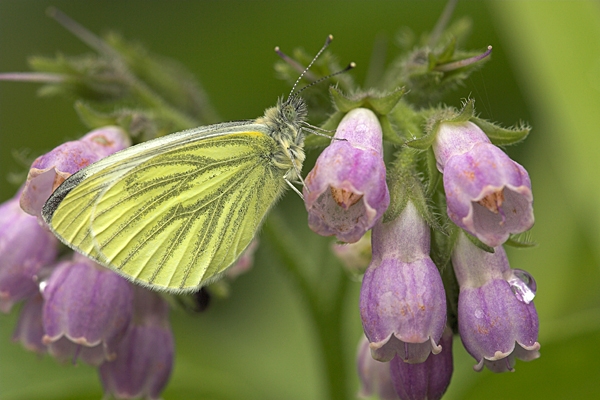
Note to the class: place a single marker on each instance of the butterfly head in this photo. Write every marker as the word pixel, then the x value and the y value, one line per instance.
pixel 286 118
pixel 292 111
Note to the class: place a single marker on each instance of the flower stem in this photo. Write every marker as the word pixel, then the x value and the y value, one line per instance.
pixel 142 91
pixel 442 22
pixel 325 310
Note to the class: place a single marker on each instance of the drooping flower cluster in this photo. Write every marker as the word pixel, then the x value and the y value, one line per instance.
pixel 489 196
pixel 74 308
pixel 403 300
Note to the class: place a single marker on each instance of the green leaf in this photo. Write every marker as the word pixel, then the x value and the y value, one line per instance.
pixel 389 133
pixel 398 197
pixel 421 202
pixel 502 136
pixel 92 118
pixel 422 143
pixel 435 176
pixel 166 77
pixel 383 105
pixel 343 103
pixel 447 52
pixel 516 242
pixel 405 184
pixel 466 113
pixel 142 125
pixel 479 243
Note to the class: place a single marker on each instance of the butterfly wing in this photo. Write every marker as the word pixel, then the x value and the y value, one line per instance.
pixel 175 212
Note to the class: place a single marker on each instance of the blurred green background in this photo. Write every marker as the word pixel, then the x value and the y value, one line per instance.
pixel 259 343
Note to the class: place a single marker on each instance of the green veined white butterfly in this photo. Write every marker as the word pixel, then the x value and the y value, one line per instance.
pixel 174 212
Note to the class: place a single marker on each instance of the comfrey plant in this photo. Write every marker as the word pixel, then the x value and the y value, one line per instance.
pixel 428 184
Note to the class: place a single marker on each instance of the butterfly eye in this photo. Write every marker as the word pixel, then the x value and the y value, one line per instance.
pixel 290 113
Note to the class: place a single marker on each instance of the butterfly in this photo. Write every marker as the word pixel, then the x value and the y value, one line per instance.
pixel 175 212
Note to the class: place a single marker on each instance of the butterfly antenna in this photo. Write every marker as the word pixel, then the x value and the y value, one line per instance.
pixel 348 68
pixel 296 65
pixel 285 57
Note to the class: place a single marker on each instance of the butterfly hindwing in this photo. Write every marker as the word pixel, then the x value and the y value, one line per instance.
pixel 172 216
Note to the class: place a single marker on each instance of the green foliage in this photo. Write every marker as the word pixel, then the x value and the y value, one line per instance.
pixel 502 136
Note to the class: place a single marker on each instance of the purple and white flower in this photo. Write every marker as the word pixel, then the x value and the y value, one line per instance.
pixel 346 192
pixel 375 378
pixel 487 193
pixel 25 248
pixel 497 319
pixel 30 328
pixel 402 299
pixel 87 310
pixel 144 357
pixel 427 380
pixel 51 169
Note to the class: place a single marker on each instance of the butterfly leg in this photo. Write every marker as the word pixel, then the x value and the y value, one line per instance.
pixel 296 170
pixel 290 184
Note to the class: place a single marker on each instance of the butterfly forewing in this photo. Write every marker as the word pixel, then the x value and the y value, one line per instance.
pixel 173 218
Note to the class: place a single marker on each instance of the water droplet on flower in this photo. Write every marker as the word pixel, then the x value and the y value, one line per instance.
pixel 522 285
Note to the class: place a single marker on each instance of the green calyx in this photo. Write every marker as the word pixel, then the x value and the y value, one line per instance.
pixel 434 118
pixel 502 136
pixel 406 184
pixel 381 104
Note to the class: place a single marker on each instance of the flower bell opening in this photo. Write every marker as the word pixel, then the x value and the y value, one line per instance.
pixel 345 198
pixel 493 202
pixel 346 192
pixel 402 299
pixel 487 194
